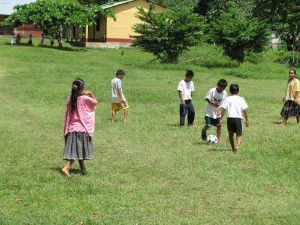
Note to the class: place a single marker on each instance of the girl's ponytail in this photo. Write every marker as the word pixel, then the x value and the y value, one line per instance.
pixel 77 86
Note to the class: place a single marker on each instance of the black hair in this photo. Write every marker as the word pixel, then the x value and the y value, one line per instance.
pixel 77 86
pixel 189 73
pixel 234 89
pixel 222 83
pixel 120 72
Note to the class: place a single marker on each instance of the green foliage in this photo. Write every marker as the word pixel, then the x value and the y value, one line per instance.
pixel 177 5
pixel 99 2
pixel 284 12
pixel 210 7
pixel 285 19
pixel 54 16
pixel 167 34
pixel 239 33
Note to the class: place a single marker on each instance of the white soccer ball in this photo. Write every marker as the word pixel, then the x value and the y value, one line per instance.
pixel 212 139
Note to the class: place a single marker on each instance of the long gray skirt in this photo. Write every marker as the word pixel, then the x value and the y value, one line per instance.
pixel 78 146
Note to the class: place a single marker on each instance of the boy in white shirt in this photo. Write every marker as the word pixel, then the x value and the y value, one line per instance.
pixel 118 100
pixel 214 98
pixel 235 106
pixel 185 89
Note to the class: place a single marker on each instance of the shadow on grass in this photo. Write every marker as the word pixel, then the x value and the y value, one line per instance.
pixel 219 149
pixel 72 171
pixel 277 122
pixel 212 147
pixel 68 49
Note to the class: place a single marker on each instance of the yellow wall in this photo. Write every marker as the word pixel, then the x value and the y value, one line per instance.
pixel 122 27
pixel 125 14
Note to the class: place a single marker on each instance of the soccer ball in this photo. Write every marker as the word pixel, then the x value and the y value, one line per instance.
pixel 212 139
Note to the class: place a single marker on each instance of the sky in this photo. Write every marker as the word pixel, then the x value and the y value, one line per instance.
pixel 6 6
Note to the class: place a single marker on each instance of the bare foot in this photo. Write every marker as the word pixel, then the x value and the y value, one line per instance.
pixel 65 172
pixel 235 151
pixel 84 170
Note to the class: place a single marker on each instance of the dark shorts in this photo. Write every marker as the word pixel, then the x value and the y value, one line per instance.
pixel 212 122
pixel 235 125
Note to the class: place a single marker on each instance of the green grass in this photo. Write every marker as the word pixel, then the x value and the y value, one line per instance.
pixel 148 171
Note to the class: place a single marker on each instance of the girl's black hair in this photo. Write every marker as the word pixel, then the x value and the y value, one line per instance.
pixel 77 86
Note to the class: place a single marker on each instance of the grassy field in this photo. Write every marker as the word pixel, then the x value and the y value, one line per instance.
pixel 148 171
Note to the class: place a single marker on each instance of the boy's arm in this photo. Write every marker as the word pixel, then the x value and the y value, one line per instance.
pixel 246 117
pixel 208 98
pixel 121 95
pixel 214 103
pixel 221 111
pixel 181 98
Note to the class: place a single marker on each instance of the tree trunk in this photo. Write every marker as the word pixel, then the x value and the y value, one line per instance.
pixel 59 39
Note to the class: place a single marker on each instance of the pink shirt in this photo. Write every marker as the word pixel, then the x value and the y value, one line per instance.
pixel 83 118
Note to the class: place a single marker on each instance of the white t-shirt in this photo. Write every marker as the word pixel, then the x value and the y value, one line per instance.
pixel 116 84
pixel 214 95
pixel 186 89
pixel 235 105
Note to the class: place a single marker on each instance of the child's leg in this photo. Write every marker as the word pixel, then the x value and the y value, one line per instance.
pixel 113 116
pixel 219 134
pixel 238 142
pixel 283 122
pixel 191 114
pixel 203 132
pixel 182 112
pixel 82 166
pixel 125 115
pixel 231 140
pixel 66 169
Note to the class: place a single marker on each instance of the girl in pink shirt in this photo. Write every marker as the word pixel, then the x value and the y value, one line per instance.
pixel 79 126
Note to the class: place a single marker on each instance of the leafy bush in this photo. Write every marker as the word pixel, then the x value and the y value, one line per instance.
pixel 168 34
pixel 239 33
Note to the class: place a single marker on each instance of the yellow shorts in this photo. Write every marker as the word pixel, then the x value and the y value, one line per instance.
pixel 118 106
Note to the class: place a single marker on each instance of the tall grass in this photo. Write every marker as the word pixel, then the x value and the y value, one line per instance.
pixel 148 171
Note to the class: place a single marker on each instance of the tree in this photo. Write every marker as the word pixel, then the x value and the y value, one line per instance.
pixel 177 4
pixel 55 16
pixel 167 34
pixel 99 2
pixel 210 7
pixel 239 34
pixel 285 17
